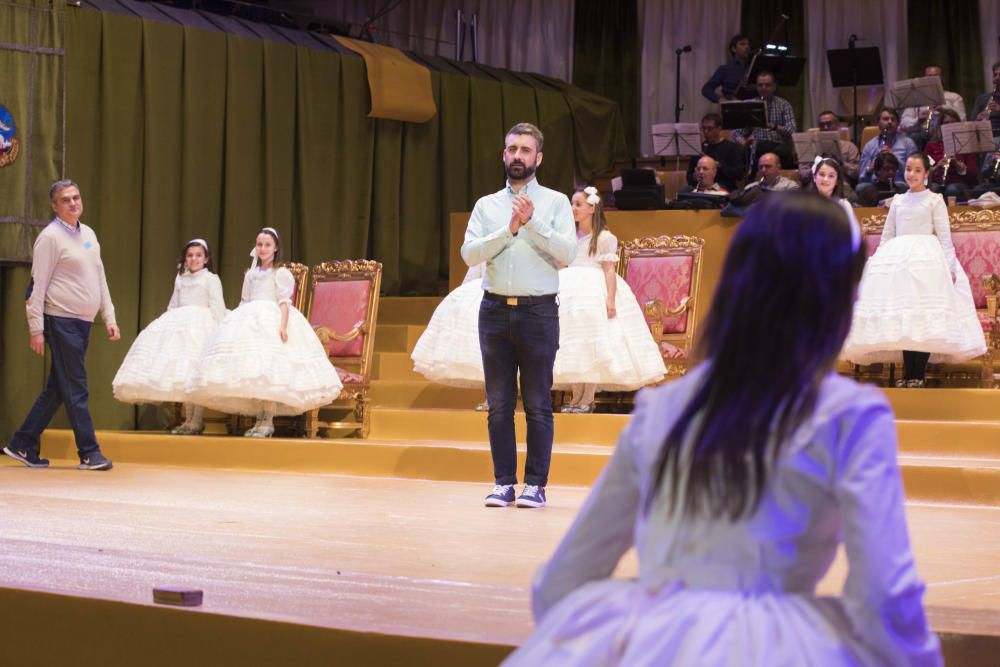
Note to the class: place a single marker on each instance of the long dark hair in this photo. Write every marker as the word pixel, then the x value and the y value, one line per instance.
pixel 598 223
pixel 838 189
pixel 182 260
pixel 779 317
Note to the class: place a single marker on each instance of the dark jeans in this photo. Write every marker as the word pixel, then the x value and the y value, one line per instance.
pixel 915 364
pixel 67 339
pixel 524 338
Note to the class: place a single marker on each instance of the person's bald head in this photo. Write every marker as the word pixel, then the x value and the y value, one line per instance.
pixel 769 168
pixel 706 169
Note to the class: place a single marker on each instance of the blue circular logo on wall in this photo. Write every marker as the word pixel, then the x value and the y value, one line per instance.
pixel 8 140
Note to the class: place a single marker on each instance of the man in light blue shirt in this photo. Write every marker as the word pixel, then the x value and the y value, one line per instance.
pixel 523 233
pixel 890 140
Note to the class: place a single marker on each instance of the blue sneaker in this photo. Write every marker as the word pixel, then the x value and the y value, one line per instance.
pixel 96 461
pixel 502 496
pixel 532 496
pixel 28 457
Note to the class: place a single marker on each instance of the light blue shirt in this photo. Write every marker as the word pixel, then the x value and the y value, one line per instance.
pixel 902 147
pixel 526 263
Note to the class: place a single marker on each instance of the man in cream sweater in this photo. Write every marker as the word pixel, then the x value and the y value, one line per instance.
pixel 69 288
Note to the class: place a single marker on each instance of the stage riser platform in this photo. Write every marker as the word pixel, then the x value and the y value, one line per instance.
pixel 937 479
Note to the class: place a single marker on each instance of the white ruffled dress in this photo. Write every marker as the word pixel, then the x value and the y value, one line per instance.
pixel 907 299
pixel 448 350
pixel 166 353
pixel 717 593
pixel 245 362
pixel 617 354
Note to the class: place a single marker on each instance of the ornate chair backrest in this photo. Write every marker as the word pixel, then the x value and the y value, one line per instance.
pixel 664 273
pixel 301 274
pixel 976 236
pixel 343 310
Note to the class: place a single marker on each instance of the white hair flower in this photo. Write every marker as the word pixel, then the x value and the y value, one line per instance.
pixel 592 197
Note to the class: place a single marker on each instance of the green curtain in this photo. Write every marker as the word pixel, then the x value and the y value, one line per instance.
pixel 758 19
pixel 176 132
pixel 947 34
pixel 31 117
pixel 606 58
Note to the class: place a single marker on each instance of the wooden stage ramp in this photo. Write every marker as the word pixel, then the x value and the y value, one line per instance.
pixel 374 552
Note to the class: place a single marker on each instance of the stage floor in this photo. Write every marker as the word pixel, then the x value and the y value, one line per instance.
pixel 396 556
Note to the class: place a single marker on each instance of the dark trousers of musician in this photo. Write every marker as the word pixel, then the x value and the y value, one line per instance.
pixel 519 338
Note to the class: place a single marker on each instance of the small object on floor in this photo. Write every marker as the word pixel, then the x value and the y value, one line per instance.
pixel 532 496
pixel 502 496
pixel 96 461
pixel 483 407
pixel 569 408
pixel 28 457
pixel 181 597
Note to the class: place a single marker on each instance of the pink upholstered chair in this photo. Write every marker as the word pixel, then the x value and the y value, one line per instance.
pixel 301 274
pixel 664 273
pixel 976 236
pixel 343 310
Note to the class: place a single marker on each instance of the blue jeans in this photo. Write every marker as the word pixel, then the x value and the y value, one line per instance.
pixel 511 339
pixel 67 339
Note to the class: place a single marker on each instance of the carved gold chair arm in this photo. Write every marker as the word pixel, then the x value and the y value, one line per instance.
pixel 681 307
pixel 325 334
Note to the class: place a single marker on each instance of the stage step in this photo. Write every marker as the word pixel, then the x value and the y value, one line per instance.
pixel 395 366
pixel 423 394
pixel 397 337
pixel 938 478
pixel 948 404
pixel 406 309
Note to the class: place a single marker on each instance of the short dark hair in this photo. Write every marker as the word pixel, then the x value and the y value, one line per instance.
pixel 527 128
pixel 882 158
pixel 828 113
pixel 736 39
pixel 765 72
pixel 714 117
pixel 996 66
pixel 894 111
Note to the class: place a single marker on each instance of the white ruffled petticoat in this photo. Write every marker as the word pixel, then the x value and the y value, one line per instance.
pixel 448 350
pixel 907 301
pixel 164 356
pixel 245 363
pixel 617 354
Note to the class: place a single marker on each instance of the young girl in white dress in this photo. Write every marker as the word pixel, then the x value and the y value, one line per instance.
pixel 264 358
pixel 448 350
pixel 166 353
pixel 915 301
pixel 604 341
pixel 737 483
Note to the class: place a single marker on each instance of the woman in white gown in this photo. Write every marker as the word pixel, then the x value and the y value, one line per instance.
pixel 448 349
pixel 915 302
pixel 264 358
pixel 166 353
pixel 737 483
pixel 604 341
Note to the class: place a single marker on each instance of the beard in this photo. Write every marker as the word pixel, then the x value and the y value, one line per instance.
pixel 518 171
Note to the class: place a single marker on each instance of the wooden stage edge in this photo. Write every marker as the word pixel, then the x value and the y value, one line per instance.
pixel 110 632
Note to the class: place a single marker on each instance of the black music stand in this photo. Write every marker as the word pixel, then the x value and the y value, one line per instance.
pixel 741 115
pixel 853 67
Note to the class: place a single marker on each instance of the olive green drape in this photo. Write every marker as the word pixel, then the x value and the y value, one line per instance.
pixel 758 19
pixel 31 91
pixel 176 132
pixel 947 34
pixel 606 57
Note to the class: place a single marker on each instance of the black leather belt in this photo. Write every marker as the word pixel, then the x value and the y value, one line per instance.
pixel 520 300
